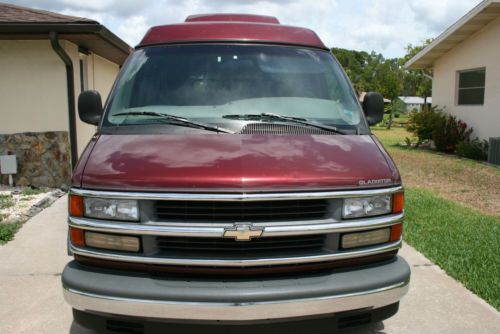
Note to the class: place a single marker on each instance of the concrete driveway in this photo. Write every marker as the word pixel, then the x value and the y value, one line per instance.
pixel 31 299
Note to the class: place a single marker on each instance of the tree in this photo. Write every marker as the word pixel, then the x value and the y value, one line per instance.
pixel 388 76
pixel 372 72
pixel 355 64
pixel 416 82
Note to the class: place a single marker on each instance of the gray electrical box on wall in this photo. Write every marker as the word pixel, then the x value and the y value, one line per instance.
pixel 8 164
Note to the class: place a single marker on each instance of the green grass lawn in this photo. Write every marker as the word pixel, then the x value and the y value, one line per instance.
pixel 452 213
pixel 402 119
pixel 392 137
pixel 464 242
pixel 7 231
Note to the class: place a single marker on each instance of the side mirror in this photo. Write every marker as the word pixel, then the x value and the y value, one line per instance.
pixel 90 107
pixel 373 106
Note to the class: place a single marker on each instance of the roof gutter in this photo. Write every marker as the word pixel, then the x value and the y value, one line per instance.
pixel 448 33
pixel 70 84
pixel 67 29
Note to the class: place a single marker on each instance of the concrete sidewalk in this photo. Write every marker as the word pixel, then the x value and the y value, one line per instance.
pixel 31 298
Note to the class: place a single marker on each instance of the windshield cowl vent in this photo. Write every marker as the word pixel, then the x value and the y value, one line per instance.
pixel 281 129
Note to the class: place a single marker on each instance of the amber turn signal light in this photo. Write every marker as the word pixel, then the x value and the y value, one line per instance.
pixel 76 205
pixel 398 200
pixel 77 236
pixel 396 232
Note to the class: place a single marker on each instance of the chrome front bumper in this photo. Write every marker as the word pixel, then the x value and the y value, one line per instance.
pixel 235 311
pixel 368 287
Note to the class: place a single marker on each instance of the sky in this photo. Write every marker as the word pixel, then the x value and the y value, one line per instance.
pixel 384 26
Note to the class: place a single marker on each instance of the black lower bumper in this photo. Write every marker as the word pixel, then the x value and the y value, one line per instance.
pixel 238 300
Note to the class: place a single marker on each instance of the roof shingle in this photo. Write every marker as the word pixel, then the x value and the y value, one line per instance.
pixel 16 14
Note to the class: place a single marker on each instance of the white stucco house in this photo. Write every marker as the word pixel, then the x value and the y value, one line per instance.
pixel 465 62
pixel 414 103
pixel 46 60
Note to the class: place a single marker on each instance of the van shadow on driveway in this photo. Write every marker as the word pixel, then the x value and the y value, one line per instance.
pixel 375 328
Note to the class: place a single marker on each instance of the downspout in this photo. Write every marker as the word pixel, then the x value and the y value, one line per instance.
pixel 70 84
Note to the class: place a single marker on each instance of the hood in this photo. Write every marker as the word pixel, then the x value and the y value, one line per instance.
pixel 230 163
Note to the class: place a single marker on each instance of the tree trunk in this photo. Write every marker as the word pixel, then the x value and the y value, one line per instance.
pixel 389 123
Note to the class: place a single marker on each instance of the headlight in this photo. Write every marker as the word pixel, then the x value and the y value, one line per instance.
pixel 367 206
pixel 115 209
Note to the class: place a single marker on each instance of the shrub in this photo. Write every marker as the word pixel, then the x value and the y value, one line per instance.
pixel 448 132
pixel 396 115
pixel 423 124
pixel 474 149
pixel 445 130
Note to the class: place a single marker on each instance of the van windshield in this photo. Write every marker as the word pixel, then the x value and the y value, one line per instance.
pixel 208 82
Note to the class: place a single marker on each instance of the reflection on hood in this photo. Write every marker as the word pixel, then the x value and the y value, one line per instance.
pixel 211 161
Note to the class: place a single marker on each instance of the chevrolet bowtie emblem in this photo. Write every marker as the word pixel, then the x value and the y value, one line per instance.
pixel 243 232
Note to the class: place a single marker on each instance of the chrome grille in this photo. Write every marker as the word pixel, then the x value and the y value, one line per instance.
pixel 241 211
pixel 281 129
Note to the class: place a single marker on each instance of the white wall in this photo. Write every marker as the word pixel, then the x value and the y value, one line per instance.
pixel 105 73
pixel 101 75
pixel 480 50
pixel 33 91
pixel 32 88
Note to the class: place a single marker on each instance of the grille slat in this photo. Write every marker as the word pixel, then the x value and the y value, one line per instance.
pixel 241 250
pixel 235 214
pixel 237 247
pixel 228 207
pixel 233 211
pixel 194 241
pixel 205 247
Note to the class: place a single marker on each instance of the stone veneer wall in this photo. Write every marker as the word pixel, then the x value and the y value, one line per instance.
pixel 43 158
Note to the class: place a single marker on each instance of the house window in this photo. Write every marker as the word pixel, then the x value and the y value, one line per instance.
pixel 471 87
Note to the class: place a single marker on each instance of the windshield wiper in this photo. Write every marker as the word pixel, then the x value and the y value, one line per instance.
pixel 176 120
pixel 304 121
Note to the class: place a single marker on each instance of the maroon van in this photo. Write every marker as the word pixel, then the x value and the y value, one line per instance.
pixel 233 186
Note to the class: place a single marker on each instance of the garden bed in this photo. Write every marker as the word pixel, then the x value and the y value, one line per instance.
pixel 18 204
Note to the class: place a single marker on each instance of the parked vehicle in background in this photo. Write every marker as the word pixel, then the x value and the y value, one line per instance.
pixel 233 184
